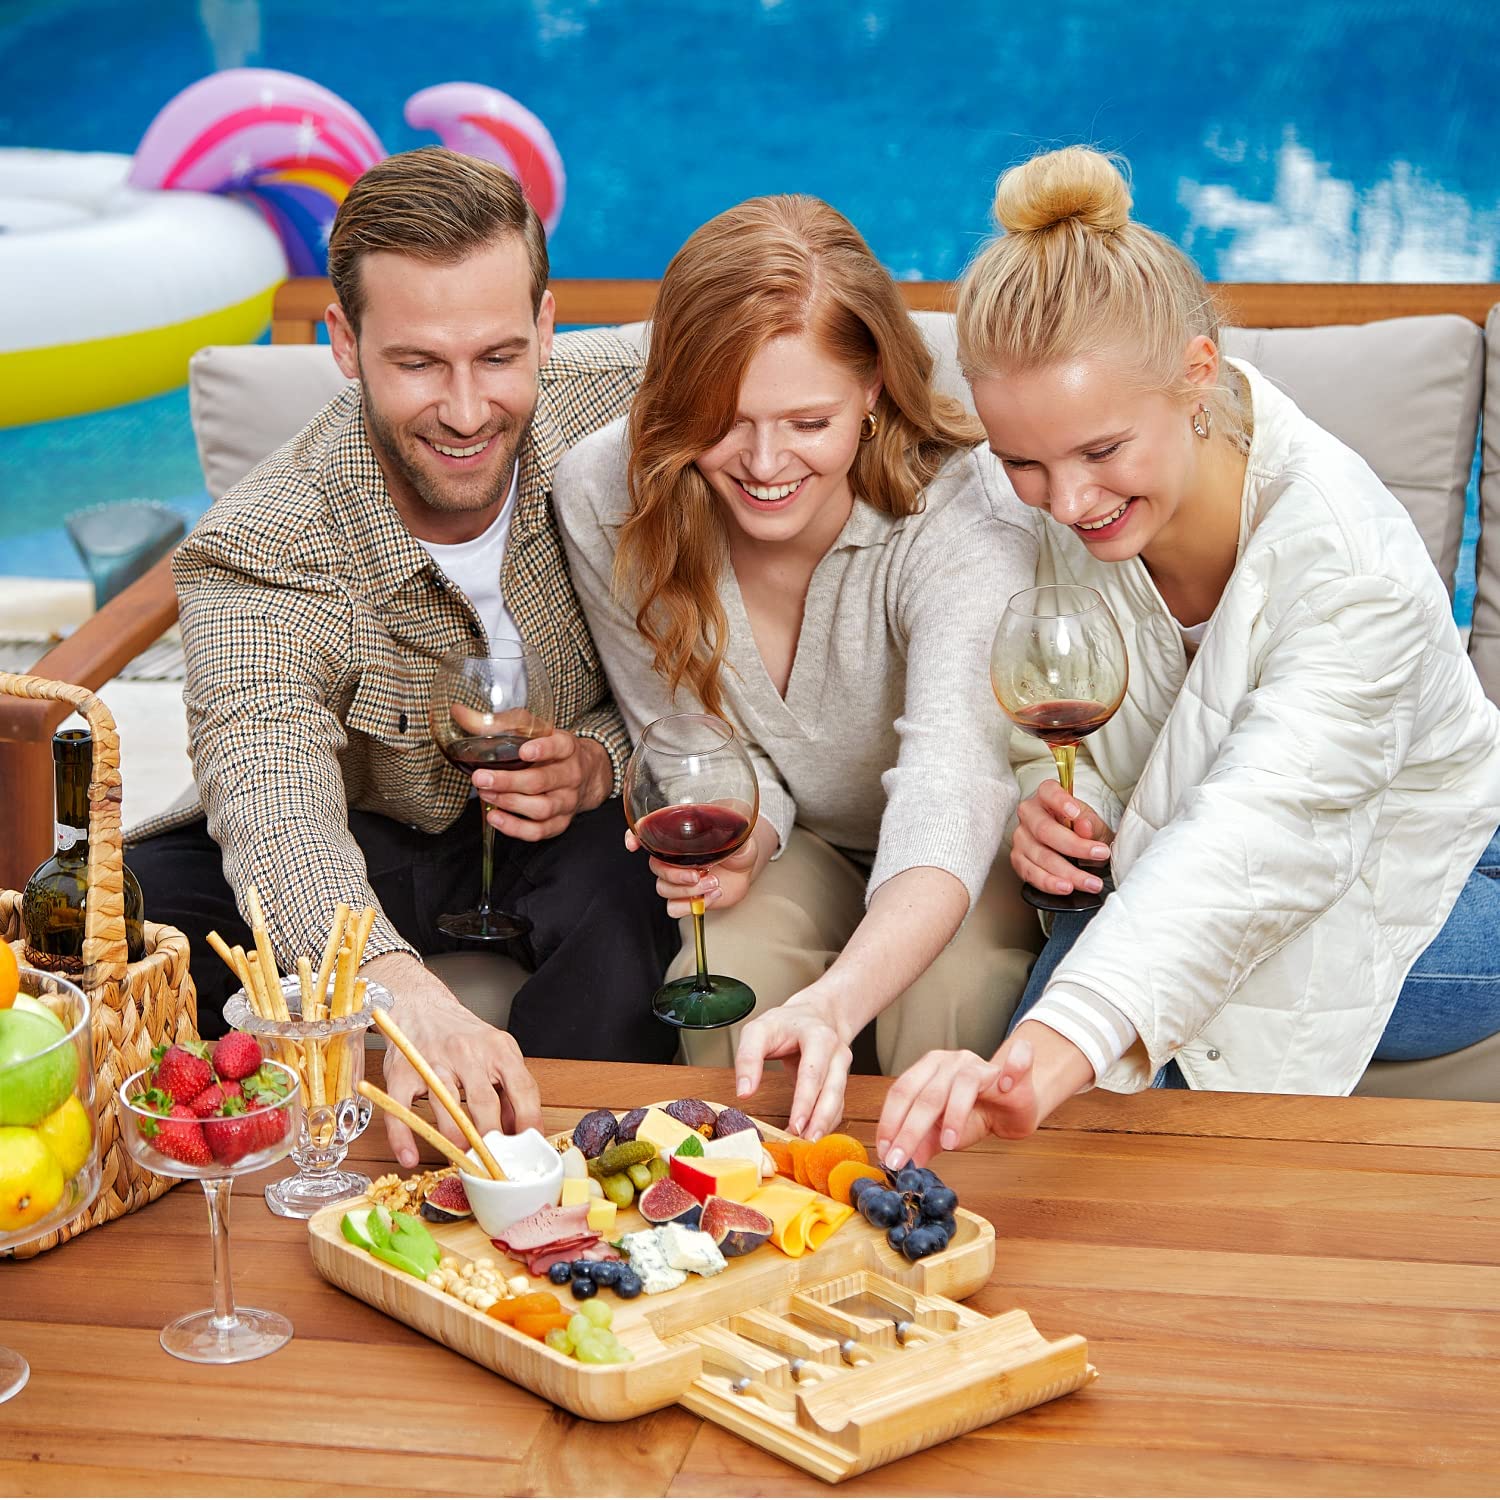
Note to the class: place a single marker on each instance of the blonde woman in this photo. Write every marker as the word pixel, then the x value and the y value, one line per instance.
pixel 1302 787
pixel 795 532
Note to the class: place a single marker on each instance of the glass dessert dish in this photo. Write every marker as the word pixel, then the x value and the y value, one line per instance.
pixel 215 1152
pixel 49 1146
pixel 328 1057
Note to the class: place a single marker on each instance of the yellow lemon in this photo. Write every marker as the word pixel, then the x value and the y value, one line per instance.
pixel 31 1181
pixel 10 976
pixel 69 1134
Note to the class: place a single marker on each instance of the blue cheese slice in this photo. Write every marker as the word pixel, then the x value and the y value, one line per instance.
pixel 691 1250
pixel 649 1261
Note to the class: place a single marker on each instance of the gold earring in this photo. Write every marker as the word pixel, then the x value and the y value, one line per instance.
pixel 1203 420
pixel 869 427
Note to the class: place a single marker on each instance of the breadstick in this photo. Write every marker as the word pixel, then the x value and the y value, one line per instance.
pixel 420 1126
pixel 362 925
pixel 343 983
pixel 439 1093
pixel 234 960
pixel 331 953
pixel 270 974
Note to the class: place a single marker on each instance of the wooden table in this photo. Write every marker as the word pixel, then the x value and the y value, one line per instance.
pixel 1282 1295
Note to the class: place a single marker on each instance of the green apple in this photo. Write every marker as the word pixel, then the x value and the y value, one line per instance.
pixel 33 1080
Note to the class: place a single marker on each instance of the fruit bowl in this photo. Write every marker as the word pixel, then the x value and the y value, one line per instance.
pixel 49 1148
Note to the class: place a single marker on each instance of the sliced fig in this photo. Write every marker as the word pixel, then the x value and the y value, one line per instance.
pixel 629 1123
pixel 733 1120
pixel 667 1202
pixel 735 1228
pixel 693 1113
pixel 446 1202
pixel 595 1131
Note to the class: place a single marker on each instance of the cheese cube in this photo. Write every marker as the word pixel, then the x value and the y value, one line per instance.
pixel 704 1176
pixel 574 1190
pixel 602 1215
pixel 665 1133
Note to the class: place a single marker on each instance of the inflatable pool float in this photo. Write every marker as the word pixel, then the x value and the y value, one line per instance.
pixel 131 264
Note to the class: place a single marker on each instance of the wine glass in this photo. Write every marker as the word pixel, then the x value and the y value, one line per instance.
pixel 1059 670
pixel 482 710
pixel 223 1334
pixel 691 798
pixel 334 1114
pixel 49 1147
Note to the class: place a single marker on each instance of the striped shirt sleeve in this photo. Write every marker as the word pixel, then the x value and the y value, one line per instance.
pixel 1101 1032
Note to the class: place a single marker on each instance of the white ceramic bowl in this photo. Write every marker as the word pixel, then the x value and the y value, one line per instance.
pixel 534 1171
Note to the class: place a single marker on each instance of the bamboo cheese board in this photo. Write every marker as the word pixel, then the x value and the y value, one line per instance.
pixel 839 1360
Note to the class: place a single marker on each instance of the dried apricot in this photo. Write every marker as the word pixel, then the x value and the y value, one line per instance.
pixel 533 1304
pixel 781 1153
pixel 539 1324
pixel 800 1149
pixel 824 1155
pixel 846 1173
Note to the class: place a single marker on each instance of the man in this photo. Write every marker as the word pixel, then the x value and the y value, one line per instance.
pixel 411 517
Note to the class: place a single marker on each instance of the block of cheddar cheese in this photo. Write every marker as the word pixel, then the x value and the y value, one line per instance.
pixel 705 1176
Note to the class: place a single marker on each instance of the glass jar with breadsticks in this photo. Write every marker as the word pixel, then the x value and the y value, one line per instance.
pixel 314 1021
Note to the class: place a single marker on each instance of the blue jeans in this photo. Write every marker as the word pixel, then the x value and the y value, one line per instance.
pixel 1451 998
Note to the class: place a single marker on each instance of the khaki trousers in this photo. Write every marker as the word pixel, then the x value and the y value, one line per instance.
pixel 803 909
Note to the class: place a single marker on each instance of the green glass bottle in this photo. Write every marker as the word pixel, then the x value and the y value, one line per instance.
pixel 53 903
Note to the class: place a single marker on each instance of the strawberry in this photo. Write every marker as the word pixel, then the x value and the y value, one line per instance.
pixel 266 1086
pixel 211 1100
pixel 237 1055
pixel 180 1073
pixel 180 1136
pixel 232 1134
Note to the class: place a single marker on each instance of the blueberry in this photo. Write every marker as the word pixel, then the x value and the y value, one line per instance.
pixel 584 1267
pixel 896 1236
pixel 925 1239
pixel 909 1180
pixel 882 1208
pixel 607 1272
pixel 560 1273
pixel 628 1285
pixel 584 1287
pixel 939 1202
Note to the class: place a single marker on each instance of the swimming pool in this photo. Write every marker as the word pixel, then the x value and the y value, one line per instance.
pixel 1322 140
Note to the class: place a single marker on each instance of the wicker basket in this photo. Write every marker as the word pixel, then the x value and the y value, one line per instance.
pixel 135 1006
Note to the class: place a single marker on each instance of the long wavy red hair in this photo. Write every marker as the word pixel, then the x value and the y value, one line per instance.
pixel 767 268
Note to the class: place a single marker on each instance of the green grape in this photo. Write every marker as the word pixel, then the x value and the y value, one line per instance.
pixel 598 1312
pixel 560 1339
pixel 591 1349
pixel 579 1327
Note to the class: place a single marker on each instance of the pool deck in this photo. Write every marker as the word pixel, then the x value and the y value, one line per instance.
pixel 154 766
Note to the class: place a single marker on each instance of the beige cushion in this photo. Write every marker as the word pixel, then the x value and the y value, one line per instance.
pixel 248 399
pixel 1484 640
pixel 1403 393
pixel 1472 1073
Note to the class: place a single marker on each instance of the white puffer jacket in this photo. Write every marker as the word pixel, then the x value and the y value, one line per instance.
pixel 1301 805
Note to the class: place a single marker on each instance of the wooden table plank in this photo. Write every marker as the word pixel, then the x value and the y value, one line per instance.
pixel 1281 1295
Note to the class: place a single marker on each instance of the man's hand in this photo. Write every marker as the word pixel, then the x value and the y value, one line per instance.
pixel 470 1057
pixel 564 775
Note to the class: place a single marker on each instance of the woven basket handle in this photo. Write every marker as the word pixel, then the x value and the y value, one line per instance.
pixel 104 949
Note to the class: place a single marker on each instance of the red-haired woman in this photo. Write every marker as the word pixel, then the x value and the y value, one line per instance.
pixel 796 532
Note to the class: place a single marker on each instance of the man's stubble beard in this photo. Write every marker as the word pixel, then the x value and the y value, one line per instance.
pixel 428 488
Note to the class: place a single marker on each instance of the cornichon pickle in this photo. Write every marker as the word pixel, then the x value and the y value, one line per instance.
pixel 619 1189
pixel 639 1173
pixel 624 1154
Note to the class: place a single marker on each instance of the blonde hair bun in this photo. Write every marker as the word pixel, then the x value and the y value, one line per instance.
pixel 1074 185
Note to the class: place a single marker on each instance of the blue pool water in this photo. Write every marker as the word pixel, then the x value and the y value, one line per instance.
pixel 1320 140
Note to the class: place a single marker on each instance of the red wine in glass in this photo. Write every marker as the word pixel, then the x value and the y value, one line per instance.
pixel 693 833
pixel 692 799
pixel 1059 670
pixel 481 711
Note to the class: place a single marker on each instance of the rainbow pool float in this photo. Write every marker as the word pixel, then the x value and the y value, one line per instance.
pixel 126 266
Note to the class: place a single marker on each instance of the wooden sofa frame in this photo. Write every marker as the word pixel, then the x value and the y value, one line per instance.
pixel 133 620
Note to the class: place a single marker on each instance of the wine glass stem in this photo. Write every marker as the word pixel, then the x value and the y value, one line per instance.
pixel 700 949
pixel 219 1192
pixel 487 869
pixel 1064 756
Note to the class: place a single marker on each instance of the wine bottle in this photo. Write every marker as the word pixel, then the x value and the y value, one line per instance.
pixel 52 906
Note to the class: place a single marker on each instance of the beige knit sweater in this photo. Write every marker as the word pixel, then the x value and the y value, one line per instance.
pixel 888 743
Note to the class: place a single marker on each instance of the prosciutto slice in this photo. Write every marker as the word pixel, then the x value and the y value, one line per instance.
pixel 546 1227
